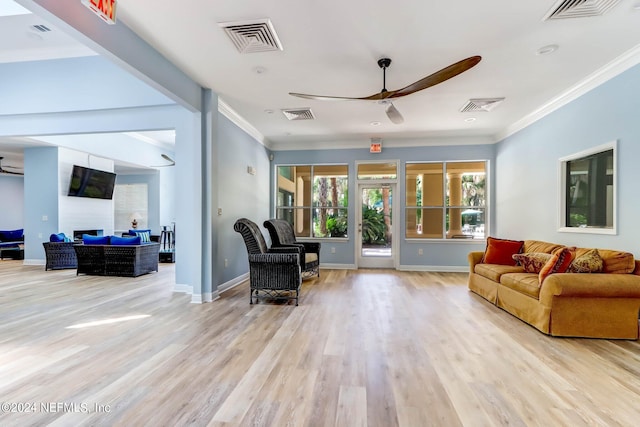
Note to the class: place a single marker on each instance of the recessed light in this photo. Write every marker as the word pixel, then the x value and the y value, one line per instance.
pixel 259 70
pixel 470 119
pixel 375 123
pixel 546 50
pixel 268 111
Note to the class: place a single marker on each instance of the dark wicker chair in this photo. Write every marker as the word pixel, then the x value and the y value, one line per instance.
pixel 60 255
pixel 275 272
pixel 114 260
pixel 282 235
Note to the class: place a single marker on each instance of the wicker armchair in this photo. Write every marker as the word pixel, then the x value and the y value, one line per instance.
pixel 275 272
pixel 282 235
pixel 60 255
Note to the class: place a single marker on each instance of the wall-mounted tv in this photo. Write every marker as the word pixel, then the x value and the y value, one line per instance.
pixel 86 182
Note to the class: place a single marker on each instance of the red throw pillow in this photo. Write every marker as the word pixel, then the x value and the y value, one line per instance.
pixel 501 251
pixel 558 263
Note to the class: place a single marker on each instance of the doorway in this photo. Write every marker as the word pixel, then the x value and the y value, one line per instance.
pixel 375 246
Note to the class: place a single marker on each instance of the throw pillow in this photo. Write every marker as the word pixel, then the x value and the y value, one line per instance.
pixel 145 236
pixel 139 230
pixel 532 261
pixel 125 241
pixel 88 239
pixel 558 263
pixel 501 251
pixel 57 238
pixel 590 262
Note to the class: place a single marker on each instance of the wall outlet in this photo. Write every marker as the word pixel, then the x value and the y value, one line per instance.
pixel 45 218
pixel 333 250
pixel 226 263
pixel 219 211
pixel 420 251
pixel 39 235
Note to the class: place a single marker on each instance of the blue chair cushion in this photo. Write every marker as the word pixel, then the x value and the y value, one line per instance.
pixel 11 235
pixel 88 239
pixel 124 241
pixel 60 237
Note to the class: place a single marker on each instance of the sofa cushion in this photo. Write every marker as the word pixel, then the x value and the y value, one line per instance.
pixel 558 263
pixel 125 241
pixel 88 239
pixel 616 262
pixel 589 262
pixel 11 235
pixel 494 271
pixel 540 246
pixel 500 251
pixel 525 283
pixel 532 262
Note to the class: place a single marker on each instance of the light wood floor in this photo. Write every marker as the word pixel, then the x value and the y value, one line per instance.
pixel 364 348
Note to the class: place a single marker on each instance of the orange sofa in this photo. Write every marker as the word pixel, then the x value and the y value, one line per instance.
pixel 591 305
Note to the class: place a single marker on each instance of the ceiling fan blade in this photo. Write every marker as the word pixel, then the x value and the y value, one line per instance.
pixel 437 77
pixel 393 114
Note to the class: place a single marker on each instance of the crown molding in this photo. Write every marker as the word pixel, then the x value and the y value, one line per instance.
pixel 609 71
pixel 241 122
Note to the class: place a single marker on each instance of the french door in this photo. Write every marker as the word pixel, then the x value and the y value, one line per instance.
pixel 375 246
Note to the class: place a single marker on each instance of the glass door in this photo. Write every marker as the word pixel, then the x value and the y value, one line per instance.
pixel 375 246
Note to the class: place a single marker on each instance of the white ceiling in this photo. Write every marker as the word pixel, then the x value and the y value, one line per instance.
pixel 331 48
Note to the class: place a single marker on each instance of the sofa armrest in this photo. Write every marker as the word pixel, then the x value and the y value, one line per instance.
pixel 474 258
pixel 585 285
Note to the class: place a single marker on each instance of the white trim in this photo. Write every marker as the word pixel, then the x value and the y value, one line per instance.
pixel 587 230
pixel 34 262
pixel 232 283
pixel 602 75
pixel 435 268
pixel 241 122
pixel 196 299
pixel 337 267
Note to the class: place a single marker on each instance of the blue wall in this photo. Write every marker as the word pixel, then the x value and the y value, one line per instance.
pixel 527 165
pixel 240 194
pixel 448 254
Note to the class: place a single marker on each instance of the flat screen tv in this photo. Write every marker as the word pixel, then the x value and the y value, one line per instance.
pixel 86 182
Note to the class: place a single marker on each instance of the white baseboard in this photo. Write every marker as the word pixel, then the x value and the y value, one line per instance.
pixel 183 289
pixel 34 262
pixel 338 266
pixel 435 268
pixel 232 283
pixel 203 298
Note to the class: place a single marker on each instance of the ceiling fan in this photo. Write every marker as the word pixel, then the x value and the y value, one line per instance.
pixel 5 171
pixel 168 159
pixel 384 96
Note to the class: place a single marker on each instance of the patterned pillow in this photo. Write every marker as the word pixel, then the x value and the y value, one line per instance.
pixel 145 236
pixel 590 262
pixel 558 263
pixel 500 251
pixel 532 261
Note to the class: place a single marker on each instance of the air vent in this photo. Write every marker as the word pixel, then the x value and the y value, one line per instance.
pixel 252 36
pixel 299 114
pixel 481 104
pixel 41 28
pixel 579 8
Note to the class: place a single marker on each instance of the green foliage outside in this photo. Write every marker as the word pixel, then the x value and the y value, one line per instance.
pixel 337 226
pixel 373 227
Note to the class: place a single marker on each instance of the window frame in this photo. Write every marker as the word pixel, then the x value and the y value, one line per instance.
pixel 311 208
pixel 562 191
pixel 445 207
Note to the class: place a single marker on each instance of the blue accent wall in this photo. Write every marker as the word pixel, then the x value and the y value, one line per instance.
pixel 438 253
pixel 528 174
pixel 12 199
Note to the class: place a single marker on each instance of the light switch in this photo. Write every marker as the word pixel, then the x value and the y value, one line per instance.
pixel 45 218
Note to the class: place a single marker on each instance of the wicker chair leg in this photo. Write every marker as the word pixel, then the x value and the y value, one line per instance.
pixel 251 296
pixel 297 293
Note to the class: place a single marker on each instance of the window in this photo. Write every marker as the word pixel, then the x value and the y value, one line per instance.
pixel 313 199
pixel 130 202
pixel 446 200
pixel 588 191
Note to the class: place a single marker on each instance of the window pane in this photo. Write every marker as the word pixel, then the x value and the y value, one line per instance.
pixel 590 191
pixel 424 223
pixel 424 184
pixel 294 186
pixel 472 221
pixel 329 222
pixel 330 186
pixel 299 218
pixel 377 171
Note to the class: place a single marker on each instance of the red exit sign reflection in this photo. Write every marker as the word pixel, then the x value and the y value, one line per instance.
pixel 105 9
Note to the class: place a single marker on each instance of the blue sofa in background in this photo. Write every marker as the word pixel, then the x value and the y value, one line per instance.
pixel 10 243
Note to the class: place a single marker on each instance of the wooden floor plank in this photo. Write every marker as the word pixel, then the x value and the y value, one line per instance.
pixel 369 347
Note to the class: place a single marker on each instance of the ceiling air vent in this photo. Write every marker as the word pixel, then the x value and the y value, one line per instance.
pixel 299 114
pixel 41 28
pixel 579 8
pixel 252 36
pixel 481 104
